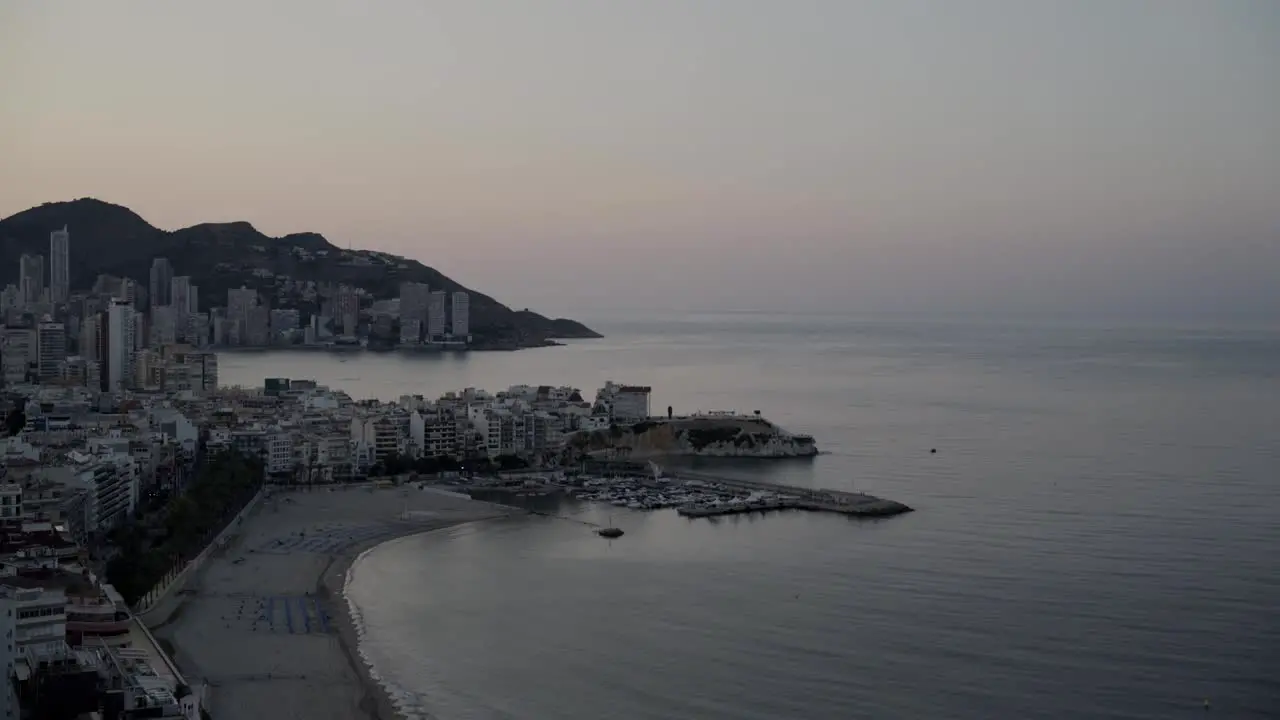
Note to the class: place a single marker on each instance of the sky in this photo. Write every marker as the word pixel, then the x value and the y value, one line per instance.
pixel 1092 156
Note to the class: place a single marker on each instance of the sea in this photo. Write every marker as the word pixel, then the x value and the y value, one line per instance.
pixel 1096 536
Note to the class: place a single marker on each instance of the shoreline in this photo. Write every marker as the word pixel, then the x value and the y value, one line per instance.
pixel 332 584
pixel 267 625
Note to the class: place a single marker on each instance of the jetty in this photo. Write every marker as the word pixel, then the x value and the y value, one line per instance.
pixel 789 497
pixel 870 507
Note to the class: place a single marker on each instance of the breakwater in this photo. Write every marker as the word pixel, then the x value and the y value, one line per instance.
pixel 790 497
pixel 870 507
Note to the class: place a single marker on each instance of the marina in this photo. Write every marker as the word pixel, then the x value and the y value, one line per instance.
pixel 693 494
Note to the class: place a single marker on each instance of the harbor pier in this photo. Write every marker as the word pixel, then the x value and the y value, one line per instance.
pixel 790 497
pixel 775 496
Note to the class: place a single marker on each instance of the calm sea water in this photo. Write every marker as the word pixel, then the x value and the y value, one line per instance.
pixel 1098 535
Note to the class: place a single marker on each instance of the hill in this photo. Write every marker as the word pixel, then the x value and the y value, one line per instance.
pixel 114 240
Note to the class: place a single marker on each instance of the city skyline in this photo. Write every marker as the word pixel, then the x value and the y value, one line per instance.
pixel 113 338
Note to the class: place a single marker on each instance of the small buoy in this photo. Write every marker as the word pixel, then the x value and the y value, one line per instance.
pixel 933 450
pixel 1206 703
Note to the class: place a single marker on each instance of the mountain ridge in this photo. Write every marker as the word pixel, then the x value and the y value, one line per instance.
pixel 112 239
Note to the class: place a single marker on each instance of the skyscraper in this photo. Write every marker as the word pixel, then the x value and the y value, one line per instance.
pixel 60 265
pixel 348 309
pixel 117 346
pixel 461 323
pixel 414 298
pixel 164 326
pixel 239 302
pixel 180 295
pixel 161 282
pixel 31 278
pixel 436 314
pixel 90 331
pixel 51 349
pixel 126 292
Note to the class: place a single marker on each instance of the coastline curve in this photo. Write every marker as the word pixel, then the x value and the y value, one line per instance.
pixel 384 699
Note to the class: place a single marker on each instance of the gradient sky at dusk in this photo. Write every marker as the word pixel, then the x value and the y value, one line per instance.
pixel 1083 155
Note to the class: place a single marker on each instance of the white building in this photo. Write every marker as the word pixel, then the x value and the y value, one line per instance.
pixel 59 265
pixel 279 445
pixel 34 623
pixel 110 480
pixel 623 403
pixel 118 344
pixel 461 327
pixel 378 436
pixel 176 428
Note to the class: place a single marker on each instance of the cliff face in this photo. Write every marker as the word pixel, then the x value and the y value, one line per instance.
pixel 710 437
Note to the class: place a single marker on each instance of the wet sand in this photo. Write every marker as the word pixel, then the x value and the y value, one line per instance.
pixel 266 625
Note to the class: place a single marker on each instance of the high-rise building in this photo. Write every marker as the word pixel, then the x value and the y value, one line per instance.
pixel 188 368
pixel 239 302
pixel 31 278
pixel 139 332
pixel 258 327
pixel 461 322
pixel 348 309
pixel 60 265
pixel 283 320
pixel 197 329
pixel 410 331
pixel 161 282
pixel 436 314
pixel 414 298
pixel 127 293
pixel 117 346
pixel 164 326
pixel 17 350
pixel 90 331
pixel 51 349
pixel 180 295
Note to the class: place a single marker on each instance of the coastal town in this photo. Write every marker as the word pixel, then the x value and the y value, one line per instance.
pixel 134 484
pixel 110 500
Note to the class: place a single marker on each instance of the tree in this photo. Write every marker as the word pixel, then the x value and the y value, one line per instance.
pixel 16 420
pixel 223 487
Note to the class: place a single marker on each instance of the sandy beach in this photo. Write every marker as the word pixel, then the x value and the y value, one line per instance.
pixel 266 626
